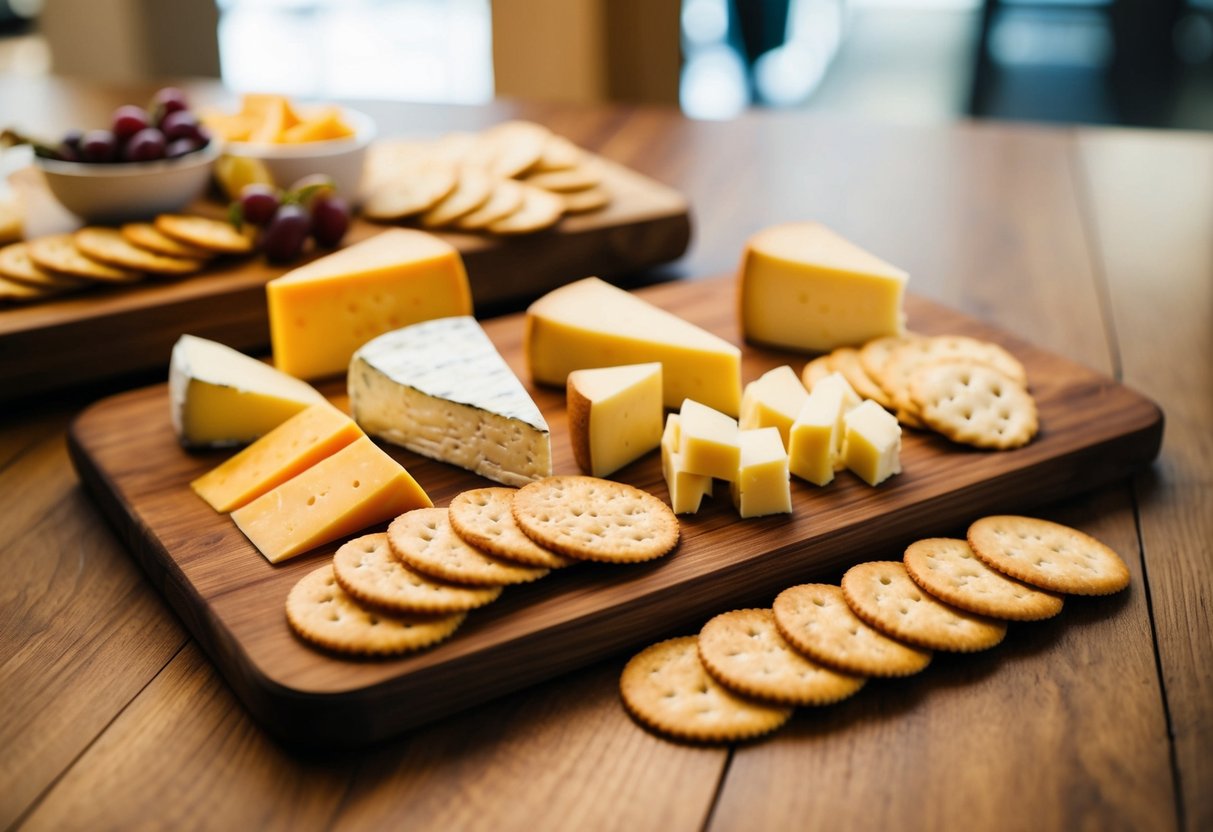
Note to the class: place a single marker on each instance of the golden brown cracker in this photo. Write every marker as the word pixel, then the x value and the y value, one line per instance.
pixel 424 540
pixel 1048 555
pixel 484 518
pixel 950 571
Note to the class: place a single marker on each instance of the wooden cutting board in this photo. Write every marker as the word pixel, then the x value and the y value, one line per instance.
pixel 112 331
pixel 1093 430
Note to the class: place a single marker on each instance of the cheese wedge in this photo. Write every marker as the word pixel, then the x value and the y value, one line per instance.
pixel 815 447
pixel 441 389
pixel 687 490
pixel 285 452
pixel 803 287
pixel 356 487
pixel 323 311
pixel 872 443
pixel 762 486
pixel 710 443
pixel 774 399
pixel 614 415
pixel 219 397
pixel 591 323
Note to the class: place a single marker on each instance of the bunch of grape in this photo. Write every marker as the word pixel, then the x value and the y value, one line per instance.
pixel 166 130
pixel 310 207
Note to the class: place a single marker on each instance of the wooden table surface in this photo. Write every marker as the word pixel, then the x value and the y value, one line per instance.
pixel 1093 243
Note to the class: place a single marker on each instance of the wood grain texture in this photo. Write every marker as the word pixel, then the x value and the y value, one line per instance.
pixel 1093 430
pixel 1152 210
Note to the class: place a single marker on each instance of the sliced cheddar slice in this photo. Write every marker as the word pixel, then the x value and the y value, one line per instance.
pixel 614 415
pixel 762 486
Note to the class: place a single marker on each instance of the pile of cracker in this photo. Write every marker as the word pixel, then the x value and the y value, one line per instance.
pixel 744 673
pixel 412 587
pixel 172 245
pixel 515 178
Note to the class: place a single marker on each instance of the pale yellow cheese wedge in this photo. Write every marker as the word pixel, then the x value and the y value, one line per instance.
pixel 815 447
pixel 872 443
pixel 614 415
pixel 286 451
pixel 774 399
pixel 356 487
pixel 762 485
pixel 591 323
pixel 323 311
pixel 710 442
pixel 804 287
pixel 687 490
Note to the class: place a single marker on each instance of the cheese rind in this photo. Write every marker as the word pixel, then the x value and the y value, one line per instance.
pixel 356 487
pixel 441 389
pixel 815 448
pixel 804 287
pixel 591 323
pixel 323 311
pixel 710 442
pixel 220 397
pixel 762 486
pixel 614 415
pixel 285 452
pixel 872 444
pixel 687 490
pixel 774 399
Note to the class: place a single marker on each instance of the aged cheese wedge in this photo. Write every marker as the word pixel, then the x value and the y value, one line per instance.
pixel 441 389
pixel 687 490
pixel 591 323
pixel 774 399
pixel 323 311
pixel 803 287
pixel 287 451
pixel 710 443
pixel 356 487
pixel 614 415
pixel 220 397
pixel 815 448
pixel 871 446
pixel 762 485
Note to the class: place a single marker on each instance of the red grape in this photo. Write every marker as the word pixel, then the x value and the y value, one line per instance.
pixel 330 220
pixel 258 203
pixel 98 146
pixel 169 100
pixel 180 124
pixel 283 239
pixel 128 120
pixel 144 146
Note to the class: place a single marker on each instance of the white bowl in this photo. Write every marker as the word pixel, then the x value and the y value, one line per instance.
pixel 129 190
pixel 339 159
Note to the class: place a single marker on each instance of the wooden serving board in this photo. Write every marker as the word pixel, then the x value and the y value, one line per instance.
pixel 112 331
pixel 1093 430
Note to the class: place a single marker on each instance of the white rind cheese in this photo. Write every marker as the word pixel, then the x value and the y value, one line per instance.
pixel 441 389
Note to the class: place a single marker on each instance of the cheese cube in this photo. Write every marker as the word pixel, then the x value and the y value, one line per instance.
pixel 614 415
pixel 594 324
pixel 687 490
pixel 286 451
pixel 774 399
pixel 220 397
pixel 872 445
pixel 709 441
pixel 803 287
pixel 323 311
pixel 815 449
pixel 356 487
pixel 762 486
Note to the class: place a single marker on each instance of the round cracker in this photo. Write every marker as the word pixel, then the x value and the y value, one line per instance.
pixel 816 620
pixel 845 360
pixel 321 612
pixel 147 237
pixel 666 688
pixel 471 191
pixel 506 198
pixel 950 571
pixel 744 651
pixel 579 178
pixel 539 210
pixel 12 291
pixel 218 236
pixel 559 154
pixel 484 518
pixel 974 404
pixel 57 253
pixel 1048 555
pixel 410 191
pixel 883 594
pixel 517 146
pixel 424 540
pixel 16 265
pixel 109 246
pixel 367 570
pixel 875 354
pixel 815 371
pixel 582 202
pixel 587 518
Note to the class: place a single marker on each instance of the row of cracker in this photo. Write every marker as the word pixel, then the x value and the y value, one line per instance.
pixel 819 643
pixel 515 178
pixel 171 245
pixel 974 392
pixel 412 587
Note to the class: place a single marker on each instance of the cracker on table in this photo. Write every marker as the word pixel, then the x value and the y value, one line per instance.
pixel 744 651
pixel 816 620
pixel 883 594
pixel 410 191
pixel 875 354
pixel 582 202
pixel 666 688
pixel 472 190
pixel 321 612
pixel 506 198
pixel 14 291
pixel 484 518
pixel 218 236
pixel 146 236
pixel 559 154
pixel 845 360
pixel 58 253
pixel 587 518
pixel 1048 555
pixel 424 540
pixel 579 178
pixel 369 572
pixel 816 370
pixel 950 571
pixel 16 265
pixel 974 404
pixel 516 147
pixel 539 210
pixel 109 246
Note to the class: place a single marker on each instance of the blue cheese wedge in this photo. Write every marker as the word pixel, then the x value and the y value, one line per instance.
pixel 441 389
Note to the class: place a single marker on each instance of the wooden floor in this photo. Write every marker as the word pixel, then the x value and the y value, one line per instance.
pixel 1096 244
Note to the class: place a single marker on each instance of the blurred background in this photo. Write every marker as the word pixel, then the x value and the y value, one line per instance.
pixel 1130 62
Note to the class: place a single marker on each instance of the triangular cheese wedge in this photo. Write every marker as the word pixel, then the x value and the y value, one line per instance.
pixel 614 415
